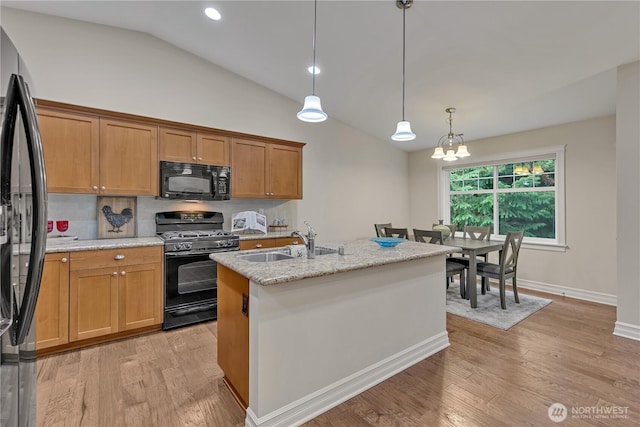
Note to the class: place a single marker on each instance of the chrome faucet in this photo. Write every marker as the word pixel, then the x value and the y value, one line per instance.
pixel 309 240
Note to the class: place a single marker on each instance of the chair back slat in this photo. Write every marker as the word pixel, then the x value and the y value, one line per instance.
pixel 380 229
pixel 433 236
pixel 477 233
pixel 401 233
pixel 510 250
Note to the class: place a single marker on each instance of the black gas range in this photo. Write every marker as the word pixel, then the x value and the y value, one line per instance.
pixel 191 290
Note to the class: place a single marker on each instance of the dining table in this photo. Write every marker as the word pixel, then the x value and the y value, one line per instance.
pixel 472 248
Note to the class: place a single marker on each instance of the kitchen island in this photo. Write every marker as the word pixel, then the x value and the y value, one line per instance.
pixel 297 337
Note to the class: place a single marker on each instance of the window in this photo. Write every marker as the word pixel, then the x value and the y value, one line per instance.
pixel 523 191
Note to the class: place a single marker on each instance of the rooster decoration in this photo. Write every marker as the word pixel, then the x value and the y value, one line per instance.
pixel 117 220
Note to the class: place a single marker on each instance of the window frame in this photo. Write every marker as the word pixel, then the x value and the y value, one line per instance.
pixel 555 152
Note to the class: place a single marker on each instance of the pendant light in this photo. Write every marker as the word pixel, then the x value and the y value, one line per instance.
pixel 312 110
pixel 449 140
pixel 403 130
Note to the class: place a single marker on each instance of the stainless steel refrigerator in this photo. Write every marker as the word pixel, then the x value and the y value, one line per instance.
pixel 23 222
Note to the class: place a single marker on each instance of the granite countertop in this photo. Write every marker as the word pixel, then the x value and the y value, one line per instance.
pixel 359 254
pixel 89 245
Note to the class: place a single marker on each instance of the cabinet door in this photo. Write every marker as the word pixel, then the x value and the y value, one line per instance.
pixel 70 139
pixel 93 303
pixel 248 168
pixel 128 158
pixel 52 309
pixel 140 296
pixel 177 145
pixel 284 241
pixel 233 330
pixel 284 172
pixel 213 149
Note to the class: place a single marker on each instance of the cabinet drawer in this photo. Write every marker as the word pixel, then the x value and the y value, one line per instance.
pixel 115 257
pixel 257 244
pixel 284 241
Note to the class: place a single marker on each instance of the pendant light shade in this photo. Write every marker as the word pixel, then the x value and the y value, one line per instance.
pixel 312 110
pixel 438 153
pixel 403 130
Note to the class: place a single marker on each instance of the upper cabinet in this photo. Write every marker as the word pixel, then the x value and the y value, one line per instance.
pixel 266 170
pixel 90 154
pixel 128 158
pixel 70 139
pixel 184 146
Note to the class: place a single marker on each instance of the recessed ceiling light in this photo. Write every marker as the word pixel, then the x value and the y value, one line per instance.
pixel 212 14
pixel 313 70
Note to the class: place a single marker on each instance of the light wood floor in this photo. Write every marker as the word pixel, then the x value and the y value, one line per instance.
pixel 565 353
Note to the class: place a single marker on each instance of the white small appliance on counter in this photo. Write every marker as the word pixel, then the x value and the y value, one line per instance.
pixel 249 222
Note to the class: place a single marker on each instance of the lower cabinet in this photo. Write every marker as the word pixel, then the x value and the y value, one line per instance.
pixel 273 242
pixel 52 309
pixel 233 332
pixel 104 292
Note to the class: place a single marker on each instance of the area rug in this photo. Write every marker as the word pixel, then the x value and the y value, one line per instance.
pixel 489 311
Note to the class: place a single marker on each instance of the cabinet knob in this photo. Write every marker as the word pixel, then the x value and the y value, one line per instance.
pixel 64 260
pixel 118 257
pixel 95 187
pixel 193 158
pixel 122 273
pixel 103 188
pixel 199 158
pixel 258 245
pixel 115 273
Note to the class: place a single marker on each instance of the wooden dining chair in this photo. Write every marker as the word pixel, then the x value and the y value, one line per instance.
pixel 401 233
pixel 507 268
pixel 453 268
pixel 380 229
pixel 476 233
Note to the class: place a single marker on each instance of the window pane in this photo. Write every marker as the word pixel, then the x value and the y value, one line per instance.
pixel 545 180
pixel 485 171
pixel 456 174
pixel 470 185
pixel 505 169
pixel 533 212
pixel 523 181
pixel 471 209
pixel 486 183
pixel 456 185
pixel 505 182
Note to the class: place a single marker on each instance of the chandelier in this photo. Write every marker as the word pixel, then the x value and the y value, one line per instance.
pixel 450 140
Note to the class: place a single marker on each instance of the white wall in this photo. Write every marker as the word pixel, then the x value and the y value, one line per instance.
pixel 589 263
pixel 350 181
pixel 628 173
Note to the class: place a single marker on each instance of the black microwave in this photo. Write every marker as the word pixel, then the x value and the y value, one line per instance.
pixel 194 182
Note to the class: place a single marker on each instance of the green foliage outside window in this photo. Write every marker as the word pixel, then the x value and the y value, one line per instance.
pixel 472 197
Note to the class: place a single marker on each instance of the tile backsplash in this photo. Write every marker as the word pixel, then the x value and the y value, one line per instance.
pixel 81 211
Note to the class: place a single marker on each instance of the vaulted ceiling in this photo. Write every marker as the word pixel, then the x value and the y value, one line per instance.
pixel 506 66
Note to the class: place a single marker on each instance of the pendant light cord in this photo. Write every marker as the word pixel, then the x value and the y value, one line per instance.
pixel 404 10
pixel 313 70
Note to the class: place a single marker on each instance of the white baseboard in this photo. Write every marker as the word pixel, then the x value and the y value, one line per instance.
pixel 627 330
pixel 592 296
pixel 316 403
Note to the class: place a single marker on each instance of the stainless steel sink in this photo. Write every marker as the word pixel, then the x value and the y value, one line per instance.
pixel 325 251
pixel 265 257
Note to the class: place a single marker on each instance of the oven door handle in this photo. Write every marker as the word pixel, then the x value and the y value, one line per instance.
pixel 185 254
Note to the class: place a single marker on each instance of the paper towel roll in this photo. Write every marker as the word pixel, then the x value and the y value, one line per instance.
pixel 298 251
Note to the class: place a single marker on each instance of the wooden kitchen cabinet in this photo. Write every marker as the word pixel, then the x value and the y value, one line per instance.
pixel 92 154
pixel 70 139
pixel 273 242
pixel 52 308
pixel 114 290
pixel 265 170
pixel 184 146
pixel 128 158
pixel 233 332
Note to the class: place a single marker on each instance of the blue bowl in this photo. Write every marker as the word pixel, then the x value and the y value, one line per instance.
pixel 387 242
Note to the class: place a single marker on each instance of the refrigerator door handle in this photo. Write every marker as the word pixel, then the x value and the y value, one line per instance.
pixel 39 217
